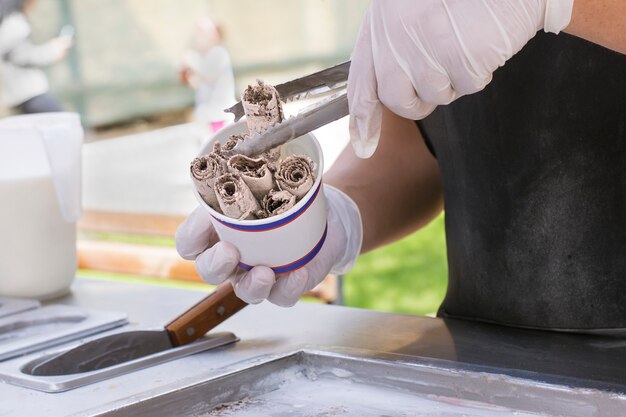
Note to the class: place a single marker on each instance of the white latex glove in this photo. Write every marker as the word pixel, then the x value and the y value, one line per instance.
pixel 217 261
pixel 414 55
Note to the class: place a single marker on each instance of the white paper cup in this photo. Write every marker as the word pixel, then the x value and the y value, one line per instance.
pixel 285 242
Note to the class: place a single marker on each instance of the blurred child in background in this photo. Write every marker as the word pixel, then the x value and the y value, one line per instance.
pixel 24 83
pixel 207 69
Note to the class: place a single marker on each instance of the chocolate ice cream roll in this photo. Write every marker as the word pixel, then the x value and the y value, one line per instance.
pixel 235 198
pixel 204 170
pixel 217 153
pixel 232 141
pixel 254 172
pixel 262 106
pixel 272 156
pixel 278 202
pixel 296 174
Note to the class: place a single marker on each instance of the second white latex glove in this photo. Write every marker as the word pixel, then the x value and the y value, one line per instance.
pixel 217 261
pixel 411 56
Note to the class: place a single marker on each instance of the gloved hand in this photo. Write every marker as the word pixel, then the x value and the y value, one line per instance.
pixel 217 261
pixel 414 55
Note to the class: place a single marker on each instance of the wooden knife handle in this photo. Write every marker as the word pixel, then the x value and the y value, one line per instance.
pixel 205 315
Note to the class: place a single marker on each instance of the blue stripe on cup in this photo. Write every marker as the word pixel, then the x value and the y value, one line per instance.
pixel 273 225
pixel 295 264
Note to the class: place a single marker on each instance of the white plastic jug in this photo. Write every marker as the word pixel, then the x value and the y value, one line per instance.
pixel 40 202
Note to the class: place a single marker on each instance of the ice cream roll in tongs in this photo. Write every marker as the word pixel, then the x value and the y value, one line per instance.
pixel 330 83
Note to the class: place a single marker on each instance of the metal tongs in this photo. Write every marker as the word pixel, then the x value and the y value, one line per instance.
pixel 330 80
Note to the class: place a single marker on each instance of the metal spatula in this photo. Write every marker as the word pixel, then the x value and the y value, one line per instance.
pixel 125 346
pixel 332 79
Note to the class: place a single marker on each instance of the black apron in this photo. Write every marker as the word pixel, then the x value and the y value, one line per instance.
pixel 534 174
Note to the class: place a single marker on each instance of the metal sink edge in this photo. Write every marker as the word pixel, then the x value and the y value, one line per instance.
pixel 11 372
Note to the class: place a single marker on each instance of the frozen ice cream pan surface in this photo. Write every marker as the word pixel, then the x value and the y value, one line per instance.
pixel 321 383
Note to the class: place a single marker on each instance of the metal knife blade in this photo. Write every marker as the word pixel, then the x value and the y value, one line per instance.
pixel 104 352
pixel 331 78
pixel 122 347
pixel 306 121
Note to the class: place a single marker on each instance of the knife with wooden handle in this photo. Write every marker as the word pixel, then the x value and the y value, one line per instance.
pixel 205 315
pixel 126 346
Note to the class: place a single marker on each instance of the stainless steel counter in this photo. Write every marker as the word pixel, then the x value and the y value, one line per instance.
pixel 585 362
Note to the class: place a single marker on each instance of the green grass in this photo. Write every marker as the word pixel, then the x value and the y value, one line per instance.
pixel 408 276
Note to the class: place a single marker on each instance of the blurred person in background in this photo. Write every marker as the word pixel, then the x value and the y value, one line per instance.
pixel 207 68
pixel 521 132
pixel 25 86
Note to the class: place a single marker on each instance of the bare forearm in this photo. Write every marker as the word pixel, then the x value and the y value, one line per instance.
pixel 600 21
pixel 397 190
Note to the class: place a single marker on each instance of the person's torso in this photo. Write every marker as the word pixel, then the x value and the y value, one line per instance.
pixel 534 173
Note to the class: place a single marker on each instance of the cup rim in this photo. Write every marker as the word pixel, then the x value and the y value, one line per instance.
pixel 272 219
